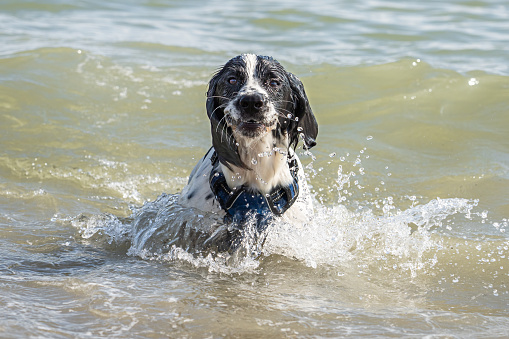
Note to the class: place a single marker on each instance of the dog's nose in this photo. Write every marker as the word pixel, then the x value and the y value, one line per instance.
pixel 251 102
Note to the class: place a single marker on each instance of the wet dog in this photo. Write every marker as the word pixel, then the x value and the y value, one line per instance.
pixel 258 114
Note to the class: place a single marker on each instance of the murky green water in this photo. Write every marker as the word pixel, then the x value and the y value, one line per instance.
pixel 102 111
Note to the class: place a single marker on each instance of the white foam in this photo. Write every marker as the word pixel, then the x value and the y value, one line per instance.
pixel 337 236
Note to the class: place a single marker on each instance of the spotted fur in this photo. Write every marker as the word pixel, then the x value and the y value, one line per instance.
pixel 258 113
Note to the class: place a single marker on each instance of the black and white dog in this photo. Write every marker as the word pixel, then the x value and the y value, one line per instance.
pixel 258 113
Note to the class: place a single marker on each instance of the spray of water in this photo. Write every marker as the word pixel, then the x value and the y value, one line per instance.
pixel 346 231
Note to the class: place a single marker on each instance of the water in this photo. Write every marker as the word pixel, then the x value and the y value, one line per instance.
pixel 102 119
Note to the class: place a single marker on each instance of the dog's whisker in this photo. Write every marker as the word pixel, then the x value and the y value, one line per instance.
pixel 224 131
pixel 218 107
pixel 219 123
pixel 286 117
pixel 289 115
pixel 284 101
pixel 229 136
pixel 279 114
pixel 218 96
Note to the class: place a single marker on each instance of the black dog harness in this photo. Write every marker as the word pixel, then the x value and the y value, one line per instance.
pixel 241 202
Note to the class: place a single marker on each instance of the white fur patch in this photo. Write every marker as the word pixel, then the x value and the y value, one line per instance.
pixel 252 85
pixel 268 165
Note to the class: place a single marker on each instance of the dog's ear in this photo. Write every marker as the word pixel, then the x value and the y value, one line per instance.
pixel 306 126
pixel 222 137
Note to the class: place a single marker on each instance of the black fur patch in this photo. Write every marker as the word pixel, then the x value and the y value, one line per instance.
pixel 191 195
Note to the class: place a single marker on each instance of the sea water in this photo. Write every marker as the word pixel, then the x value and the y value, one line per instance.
pixel 102 118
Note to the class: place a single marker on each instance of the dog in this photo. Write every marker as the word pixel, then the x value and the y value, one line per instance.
pixel 258 114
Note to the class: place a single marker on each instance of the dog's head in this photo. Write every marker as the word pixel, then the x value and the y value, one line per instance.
pixel 251 96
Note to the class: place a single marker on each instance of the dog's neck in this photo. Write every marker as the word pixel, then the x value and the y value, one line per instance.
pixel 268 163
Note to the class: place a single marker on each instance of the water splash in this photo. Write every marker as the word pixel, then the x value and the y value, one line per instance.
pixel 347 232
pixel 336 236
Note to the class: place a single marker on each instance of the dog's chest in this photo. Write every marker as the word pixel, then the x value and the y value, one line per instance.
pixel 198 193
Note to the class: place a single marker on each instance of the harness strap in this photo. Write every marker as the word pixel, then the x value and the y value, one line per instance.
pixel 240 202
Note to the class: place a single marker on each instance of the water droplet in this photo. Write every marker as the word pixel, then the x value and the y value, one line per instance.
pixel 369 137
pixel 296 118
pixel 332 155
pixel 254 161
pixel 216 174
pixel 473 82
pixel 300 129
pixel 289 116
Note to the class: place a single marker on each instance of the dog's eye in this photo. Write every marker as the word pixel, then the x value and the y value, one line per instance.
pixel 232 81
pixel 274 83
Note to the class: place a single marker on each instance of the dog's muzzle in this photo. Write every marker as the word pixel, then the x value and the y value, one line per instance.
pixel 253 111
pixel 252 104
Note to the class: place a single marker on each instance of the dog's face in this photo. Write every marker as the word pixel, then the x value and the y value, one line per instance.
pixel 252 96
pixel 254 91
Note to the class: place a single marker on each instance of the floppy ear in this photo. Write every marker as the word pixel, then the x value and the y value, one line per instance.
pixel 222 137
pixel 306 125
